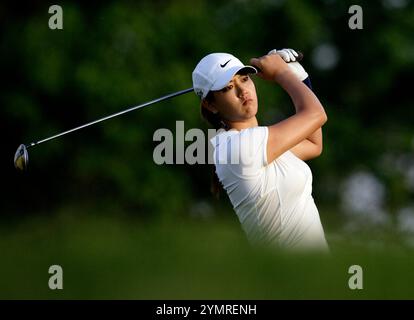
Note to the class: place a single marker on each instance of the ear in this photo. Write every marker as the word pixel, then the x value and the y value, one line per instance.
pixel 209 106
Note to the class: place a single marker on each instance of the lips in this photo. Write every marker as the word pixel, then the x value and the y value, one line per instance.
pixel 246 101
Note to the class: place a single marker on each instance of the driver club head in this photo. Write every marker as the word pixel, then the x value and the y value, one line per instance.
pixel 21 158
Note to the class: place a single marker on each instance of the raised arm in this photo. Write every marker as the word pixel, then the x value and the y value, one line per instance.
pixel 312 146
pixel 310 114
pixel 309 148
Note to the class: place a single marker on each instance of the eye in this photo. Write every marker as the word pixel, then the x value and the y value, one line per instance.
pixel 225 89
pixel 245 78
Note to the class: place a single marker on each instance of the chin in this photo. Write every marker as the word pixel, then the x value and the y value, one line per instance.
pixel 251 110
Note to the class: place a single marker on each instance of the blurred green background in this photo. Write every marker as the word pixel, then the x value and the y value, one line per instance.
pixel 122 226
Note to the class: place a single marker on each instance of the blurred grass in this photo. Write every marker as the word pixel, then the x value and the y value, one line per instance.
pixel 111 256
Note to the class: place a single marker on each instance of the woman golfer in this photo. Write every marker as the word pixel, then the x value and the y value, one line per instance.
pixel 262 168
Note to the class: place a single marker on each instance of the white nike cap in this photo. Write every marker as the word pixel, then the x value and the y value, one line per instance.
pixel 215 71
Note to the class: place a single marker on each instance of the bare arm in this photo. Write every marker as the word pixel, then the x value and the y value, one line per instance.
pixel 310 114
pixel 312 146
pixel 309 148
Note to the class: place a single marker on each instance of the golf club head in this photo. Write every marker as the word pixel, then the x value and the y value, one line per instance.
pixel 21 158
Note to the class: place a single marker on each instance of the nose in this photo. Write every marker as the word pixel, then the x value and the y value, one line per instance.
pixel 241 90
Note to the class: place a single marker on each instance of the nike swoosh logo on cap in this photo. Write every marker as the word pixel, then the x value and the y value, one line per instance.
pixel 224 64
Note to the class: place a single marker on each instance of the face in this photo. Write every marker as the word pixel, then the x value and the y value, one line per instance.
pixel 237 102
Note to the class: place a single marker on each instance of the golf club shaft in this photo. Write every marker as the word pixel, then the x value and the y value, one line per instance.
pixel 171 95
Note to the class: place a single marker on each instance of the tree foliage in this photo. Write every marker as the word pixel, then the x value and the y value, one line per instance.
pixel 114 55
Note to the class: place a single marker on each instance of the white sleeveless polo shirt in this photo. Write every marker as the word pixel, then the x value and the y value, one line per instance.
pixel 273 201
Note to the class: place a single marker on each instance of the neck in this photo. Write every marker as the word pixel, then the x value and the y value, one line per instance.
pixel 240 125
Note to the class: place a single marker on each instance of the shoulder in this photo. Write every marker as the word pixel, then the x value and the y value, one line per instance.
pixel 222 136
pixel 237 139
pixel 256 132
pixel 246 147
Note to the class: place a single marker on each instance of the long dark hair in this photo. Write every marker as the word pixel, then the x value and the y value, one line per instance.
pixel 216 122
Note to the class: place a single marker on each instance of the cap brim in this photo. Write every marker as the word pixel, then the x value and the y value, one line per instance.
pixel 228 75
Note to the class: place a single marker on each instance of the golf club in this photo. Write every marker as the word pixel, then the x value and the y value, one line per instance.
pixel 21 157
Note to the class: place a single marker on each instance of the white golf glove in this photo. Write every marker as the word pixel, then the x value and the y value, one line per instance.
pixel 289 56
